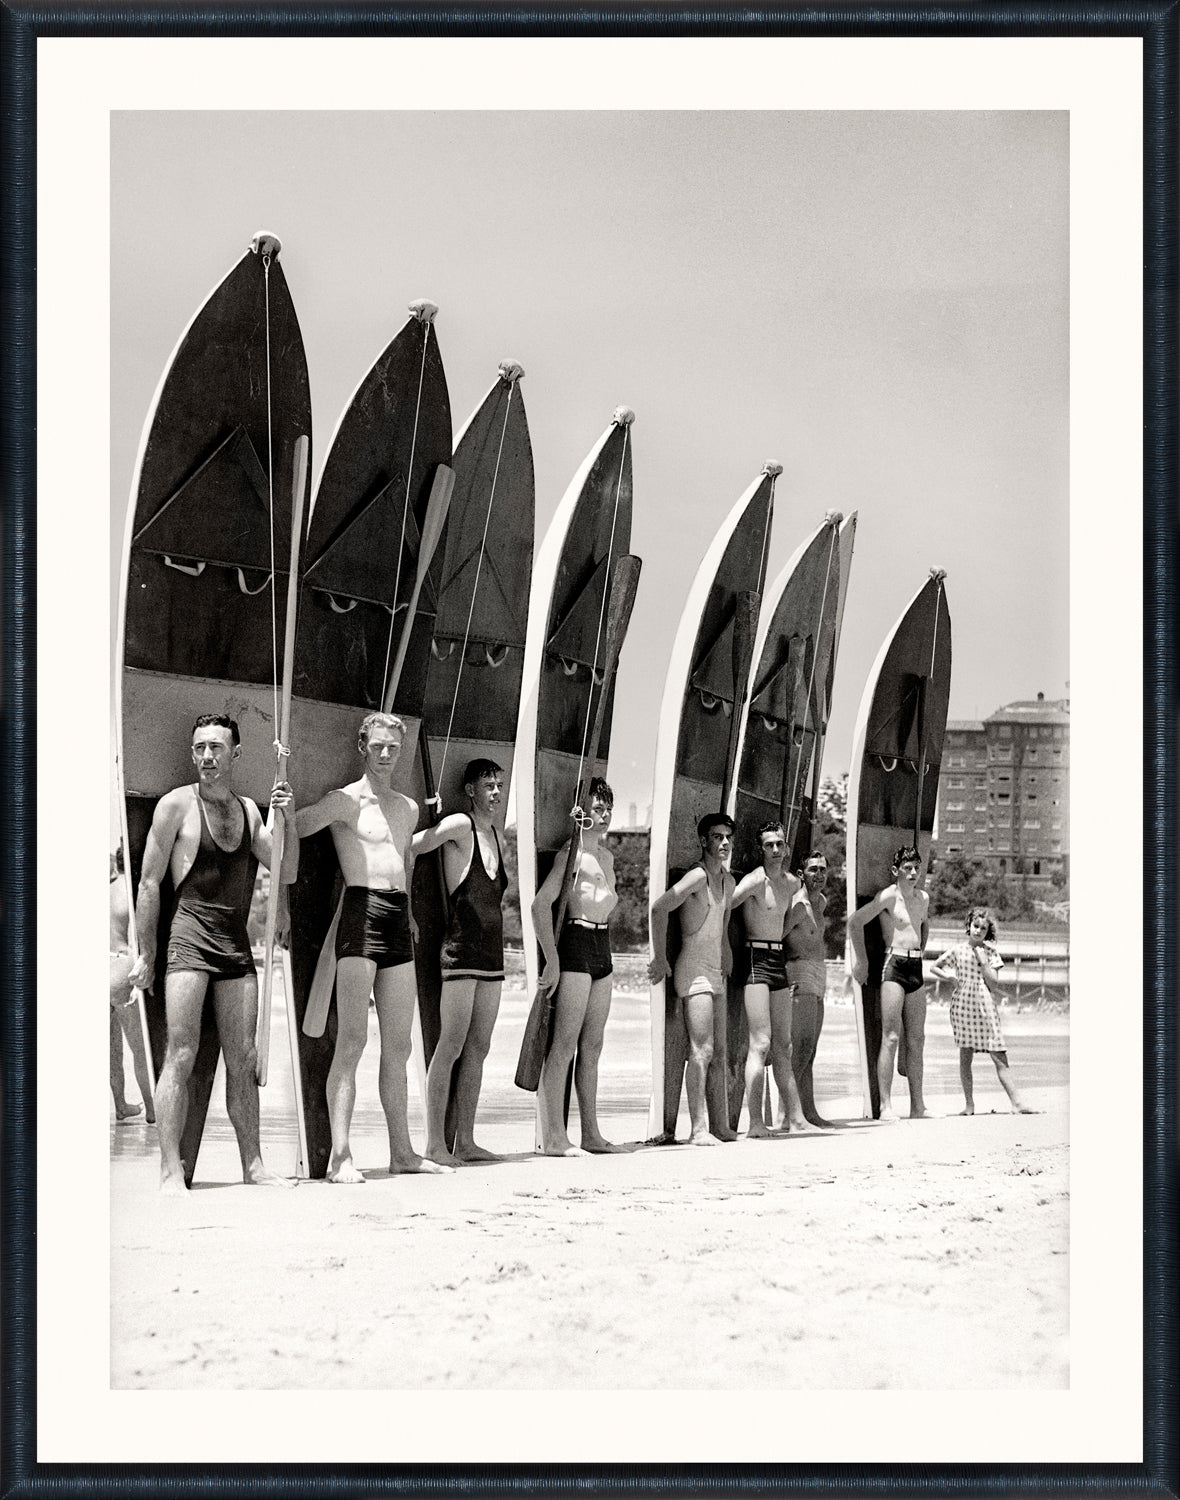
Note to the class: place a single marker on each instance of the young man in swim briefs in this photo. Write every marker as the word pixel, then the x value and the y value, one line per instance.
pixel 765 896
pixel 903 909
pixel 212 841
pixel 578 964
pixel 472 960
pixel 372 826
pixel 703 895
pixel 803 948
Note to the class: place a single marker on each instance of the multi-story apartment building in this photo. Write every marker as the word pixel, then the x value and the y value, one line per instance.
pixel 1003 792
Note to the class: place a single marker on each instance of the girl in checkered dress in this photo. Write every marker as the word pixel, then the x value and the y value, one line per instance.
pixel 975 1020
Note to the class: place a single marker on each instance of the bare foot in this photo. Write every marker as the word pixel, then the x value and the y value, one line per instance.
pixel 150 1117
pixel 415 1164
pixel 819 1122
pixel 173 1186
pixel 472 1152
pixel 566 1150
pixel 921 1114
pixel 260 1176
pixel 703 1138
pixel 665 1138
pixel 725 1135
pixel 442 1157
pixel 345 1172
pixel 1026 1109
pixel 125 1112
pixel 886 1117
pixel 802 1126
pixel 597 1145
pixel 970 1110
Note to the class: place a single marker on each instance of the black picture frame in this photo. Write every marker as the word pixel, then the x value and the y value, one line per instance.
pixel 21 24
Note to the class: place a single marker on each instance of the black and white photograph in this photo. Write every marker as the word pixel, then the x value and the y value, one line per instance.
pixel 601 643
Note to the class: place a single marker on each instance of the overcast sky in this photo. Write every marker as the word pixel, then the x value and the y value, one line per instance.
pixel 879 302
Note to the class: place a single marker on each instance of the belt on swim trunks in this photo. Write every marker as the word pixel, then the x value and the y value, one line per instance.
pixel 582 922
pixel 763 943
pixel 906 952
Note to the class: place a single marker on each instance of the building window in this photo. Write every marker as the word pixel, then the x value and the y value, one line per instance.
pixel 955 807
pixel 1032 753
pixel 954 828
pixel 1003 796
pixel 955 781
pixel 1032 822
pixel 1036 867
pixel 1030 796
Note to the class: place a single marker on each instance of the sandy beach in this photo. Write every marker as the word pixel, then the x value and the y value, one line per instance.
pixel 924 1255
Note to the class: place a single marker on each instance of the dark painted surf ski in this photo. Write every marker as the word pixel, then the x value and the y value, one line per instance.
pixel 893 782
pixel 195 624
pixel 573 574
pixel 475 670
pixel 705 691
pixel 782 743
pixel 360 560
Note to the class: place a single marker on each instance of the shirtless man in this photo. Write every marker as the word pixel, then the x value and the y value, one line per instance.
pixel 125 1019
pixel 372 827
pixel 803 946
pixel 212 841
pixel 765 895
pixel 472 960
pixel 579 967
pixel 704 894
pixel 903 909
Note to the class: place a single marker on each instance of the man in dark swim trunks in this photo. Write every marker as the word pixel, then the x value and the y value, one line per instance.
pixel 904 912
pixel 212 841
pixel 578 964
pixel 472 960
pixel 372 827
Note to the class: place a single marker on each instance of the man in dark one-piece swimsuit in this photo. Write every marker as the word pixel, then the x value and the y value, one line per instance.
pixel 211 840
pixel 472 960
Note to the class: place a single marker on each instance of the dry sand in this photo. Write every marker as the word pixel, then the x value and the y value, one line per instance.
pixel 924 1255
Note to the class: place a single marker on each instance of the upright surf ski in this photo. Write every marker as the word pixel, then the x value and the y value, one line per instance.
pixel 475 671
pixel 705 691
pixel 893 782
pixel 368 599
pixel 205 561
pixel 567 692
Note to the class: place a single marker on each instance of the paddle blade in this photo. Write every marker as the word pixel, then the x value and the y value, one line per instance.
pixel 618 610
pixel 534 1044
pixel 436 515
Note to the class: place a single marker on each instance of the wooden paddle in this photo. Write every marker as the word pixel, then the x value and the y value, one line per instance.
pixel 535 1043
pixel 262 1036
pixel 745 624
pixel 432 529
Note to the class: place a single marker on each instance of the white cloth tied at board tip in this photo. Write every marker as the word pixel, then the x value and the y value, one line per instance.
pixel 266 243
pixel 510 371
pixel 623 416
pixel 833 517
pixel 938 574
pixel 772 470
pixel 424 310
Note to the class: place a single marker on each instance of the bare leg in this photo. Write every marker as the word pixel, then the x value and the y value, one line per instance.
pixel 717 1078
pixel 235 1005
pixel 586 1071
pixel 806 1024
pixel 123 1110
pixel 757 1001
pixel 782 1017
pixel 456 1001
pixel 485 1009
pixel 132 1029
pixel 966 1058
pixel 1004 1074
pixel 914 1021
pixel 354 982
pixel 184 1000
pixel 396 993
pixel 699 1021
pixel 573 996
pixel 892 999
